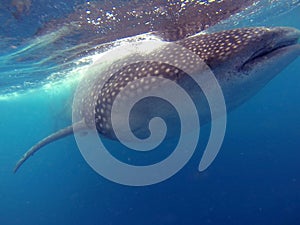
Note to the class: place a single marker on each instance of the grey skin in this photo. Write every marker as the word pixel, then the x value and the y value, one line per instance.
pixel 243 61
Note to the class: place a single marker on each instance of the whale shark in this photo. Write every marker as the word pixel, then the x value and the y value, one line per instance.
pixel 243 61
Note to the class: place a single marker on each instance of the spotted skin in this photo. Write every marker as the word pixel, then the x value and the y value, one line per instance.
pixel 223 45
pixel 119 81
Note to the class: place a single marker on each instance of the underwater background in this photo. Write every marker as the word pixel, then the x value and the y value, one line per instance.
pixel 255 178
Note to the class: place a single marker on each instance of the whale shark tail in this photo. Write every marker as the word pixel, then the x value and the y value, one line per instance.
pixel 49 139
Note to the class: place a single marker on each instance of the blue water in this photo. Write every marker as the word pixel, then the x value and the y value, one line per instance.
pixel 255 178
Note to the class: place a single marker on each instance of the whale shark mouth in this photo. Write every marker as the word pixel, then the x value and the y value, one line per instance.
pixel 268 52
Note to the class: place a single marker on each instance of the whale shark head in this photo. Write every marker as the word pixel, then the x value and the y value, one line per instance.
pixel 245 60
pixel 242 60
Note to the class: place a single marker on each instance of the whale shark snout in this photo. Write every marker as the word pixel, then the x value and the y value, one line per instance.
pixel 282 47
pixel 238 51
pixel 245 60
pixel 265 63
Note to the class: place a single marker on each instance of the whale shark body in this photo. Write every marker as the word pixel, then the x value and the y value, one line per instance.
pixel 243 61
